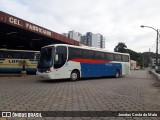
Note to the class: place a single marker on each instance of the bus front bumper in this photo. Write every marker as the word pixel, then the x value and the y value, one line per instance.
pixel 46 75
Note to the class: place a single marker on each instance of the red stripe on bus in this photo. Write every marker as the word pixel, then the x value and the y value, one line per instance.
pixel 91 61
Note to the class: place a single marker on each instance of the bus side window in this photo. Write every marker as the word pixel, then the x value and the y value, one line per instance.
pixel 118 57
pixel 109 56
pixel 62 56
pixel 17 55
pixel 88 54
pixel 75 53
pixel 24 55
pixel 1 54
pixel 32 55
pixel 99 55
pixel 85 53
pixel 4 54
pixel 10 54
pixel 125 58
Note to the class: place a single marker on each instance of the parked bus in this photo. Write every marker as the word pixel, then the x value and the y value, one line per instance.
pixel 9 60
pixel 67 61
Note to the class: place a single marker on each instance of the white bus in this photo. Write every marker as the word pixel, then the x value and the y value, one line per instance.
pixel 60 61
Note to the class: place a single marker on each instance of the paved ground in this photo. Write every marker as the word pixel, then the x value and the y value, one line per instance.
pixel 136 92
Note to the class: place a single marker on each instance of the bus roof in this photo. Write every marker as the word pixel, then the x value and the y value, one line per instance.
pixel 85 47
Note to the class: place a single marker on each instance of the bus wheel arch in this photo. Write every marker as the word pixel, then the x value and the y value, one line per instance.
pixel 75 75
pixel 117 73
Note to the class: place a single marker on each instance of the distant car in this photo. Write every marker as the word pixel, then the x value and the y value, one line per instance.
pixel 136 68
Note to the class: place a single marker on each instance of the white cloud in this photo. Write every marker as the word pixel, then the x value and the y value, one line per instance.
pixel 117 20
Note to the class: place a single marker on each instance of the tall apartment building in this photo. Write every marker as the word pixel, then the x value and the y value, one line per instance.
pixel 75 35
pixel 98 41
pixel 65 34
pixel 90 39
pixel 93 40
pixel 87 39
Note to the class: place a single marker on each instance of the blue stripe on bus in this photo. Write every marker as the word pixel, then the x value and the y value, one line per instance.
pixel 98 70
pixel 2 59
pixel 17 70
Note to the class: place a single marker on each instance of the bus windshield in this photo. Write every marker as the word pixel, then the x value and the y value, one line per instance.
pixel 45 58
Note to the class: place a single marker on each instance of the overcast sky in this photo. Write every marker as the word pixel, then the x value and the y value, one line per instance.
pixel 117 20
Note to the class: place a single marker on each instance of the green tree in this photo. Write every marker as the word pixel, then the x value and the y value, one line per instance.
pixel 143 59
pixel 134 55
pixel 121 47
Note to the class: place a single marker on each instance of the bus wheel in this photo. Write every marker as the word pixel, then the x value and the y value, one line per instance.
pixel 117 74
pixel 74 75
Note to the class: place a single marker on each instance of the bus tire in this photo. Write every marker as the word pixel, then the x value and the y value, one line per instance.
pixel 74 75
pixel 117 74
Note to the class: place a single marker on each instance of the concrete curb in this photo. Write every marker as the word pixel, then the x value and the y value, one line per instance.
pixel 154 73
pixel 10 75
pixel 3 118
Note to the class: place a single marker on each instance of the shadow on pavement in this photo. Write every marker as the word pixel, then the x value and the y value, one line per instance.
pixel 82 79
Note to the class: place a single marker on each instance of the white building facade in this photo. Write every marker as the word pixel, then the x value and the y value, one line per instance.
pixel 90 39
pixel 75 35
pixel 93 40
pixel 98 41
pixel 133 64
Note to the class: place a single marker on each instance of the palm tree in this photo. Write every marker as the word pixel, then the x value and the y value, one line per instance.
pixel 23 63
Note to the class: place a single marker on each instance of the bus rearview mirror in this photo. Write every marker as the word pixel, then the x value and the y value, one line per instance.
pixel 56 57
